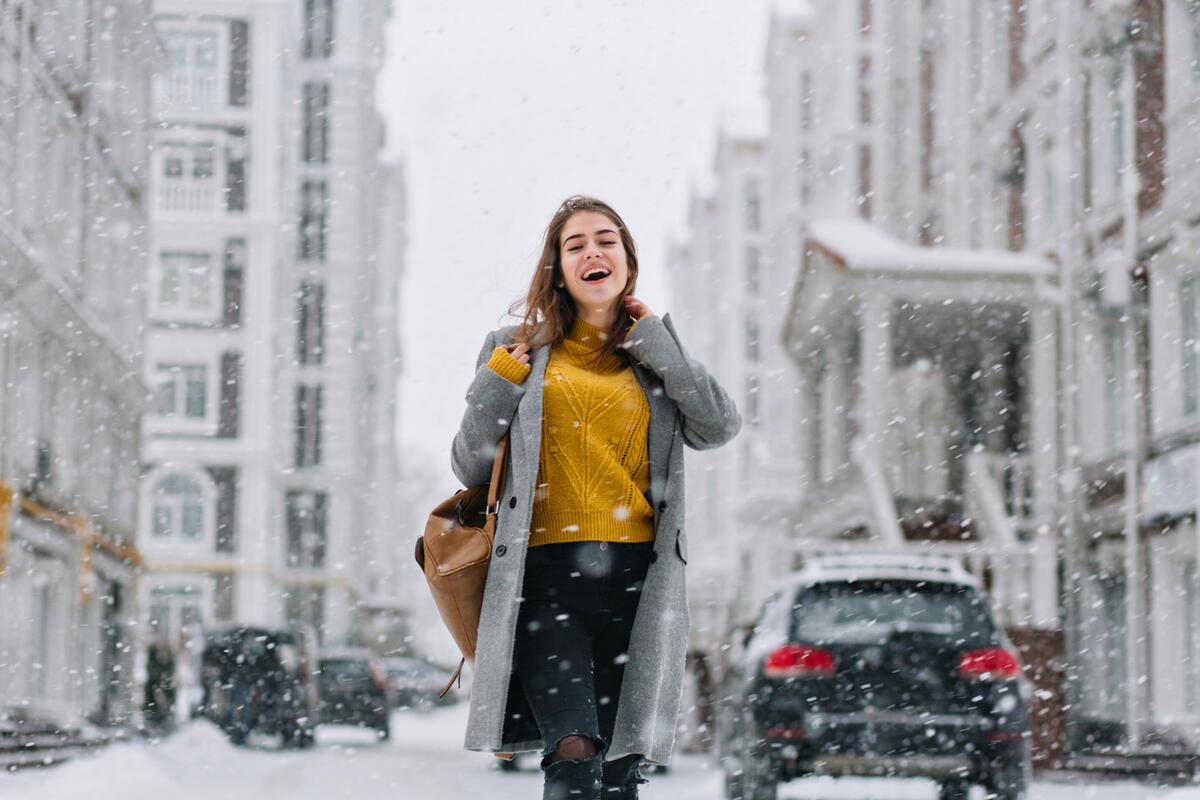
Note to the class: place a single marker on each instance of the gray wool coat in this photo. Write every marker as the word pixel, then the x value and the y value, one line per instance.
pixel 687 406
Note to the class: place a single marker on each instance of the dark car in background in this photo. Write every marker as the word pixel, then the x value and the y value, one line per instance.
pixel 354 690
pixel 260 680
pixel 417 683
pixel 875 666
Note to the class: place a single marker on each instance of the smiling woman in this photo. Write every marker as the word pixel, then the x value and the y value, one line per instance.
pixel 500 111
pixel 584 622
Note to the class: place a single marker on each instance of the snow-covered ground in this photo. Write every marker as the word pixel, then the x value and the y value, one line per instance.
pixel 423 761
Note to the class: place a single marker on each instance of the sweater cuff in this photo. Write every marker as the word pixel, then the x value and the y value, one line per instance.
pixel 635 324
pixel 503 364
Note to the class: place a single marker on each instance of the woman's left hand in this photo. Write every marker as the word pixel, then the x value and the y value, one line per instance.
pixel 636 308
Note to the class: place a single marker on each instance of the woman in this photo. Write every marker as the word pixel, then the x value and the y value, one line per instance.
pixel 584 624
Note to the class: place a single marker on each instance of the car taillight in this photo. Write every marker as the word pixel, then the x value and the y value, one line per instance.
pixel 799 661
pixel 378 677
pixel 989 664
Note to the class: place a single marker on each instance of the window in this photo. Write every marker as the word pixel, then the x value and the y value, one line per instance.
pixel 234 272
pixel 306 604
pixel 806 101
pixel 753 205
pixel 308 425
pixel 310 323
pixel 864 181
pixel 223 596
pixel 306 540
pixel 318 28
pixel 174 611
pixel 185 281
pixel 182 391
pixel 202 165
pixel 225 479
pixel 1048 210
pixel 235 175
pixel 195 67
pixel 1194 10
pixel 315 144
pixel 1191 635
pixel 188 179
pixel 228 404
pixel 178 508
pixel 753 269
pixel 1114 383
pixel 1111 644
pixel 239 61
pixel 1189 344
pixel 752 399
pixel 1118 128
pixel 313 220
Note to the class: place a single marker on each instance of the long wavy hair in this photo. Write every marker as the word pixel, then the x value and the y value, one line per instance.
pixel 548 310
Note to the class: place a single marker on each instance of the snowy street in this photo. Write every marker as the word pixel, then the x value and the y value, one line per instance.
pixel 423 760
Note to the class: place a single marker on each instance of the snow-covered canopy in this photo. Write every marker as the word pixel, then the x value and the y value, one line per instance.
pixel 856 245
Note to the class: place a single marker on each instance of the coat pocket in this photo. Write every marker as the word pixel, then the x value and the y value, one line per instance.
pixel 681 546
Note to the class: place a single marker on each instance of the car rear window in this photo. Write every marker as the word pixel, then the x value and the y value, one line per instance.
pixel 413 669
pixel 345 669
pixel 873 611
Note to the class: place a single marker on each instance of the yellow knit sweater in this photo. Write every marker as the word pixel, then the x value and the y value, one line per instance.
pixel 594 468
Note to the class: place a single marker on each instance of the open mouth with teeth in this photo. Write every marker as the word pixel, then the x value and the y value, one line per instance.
pixel 596 274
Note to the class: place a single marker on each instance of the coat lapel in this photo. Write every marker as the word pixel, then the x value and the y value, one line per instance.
pixel 662 424
pixel 530 408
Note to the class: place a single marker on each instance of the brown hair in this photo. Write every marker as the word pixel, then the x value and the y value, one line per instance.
pixel 548 311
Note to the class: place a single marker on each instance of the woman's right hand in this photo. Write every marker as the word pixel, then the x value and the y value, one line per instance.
pixel 519 351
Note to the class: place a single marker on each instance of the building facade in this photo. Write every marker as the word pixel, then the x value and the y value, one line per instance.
pixel 74 134
pixel 988 211
pixel 270 453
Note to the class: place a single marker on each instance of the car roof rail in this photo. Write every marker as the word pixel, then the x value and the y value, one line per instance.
pixel 883 566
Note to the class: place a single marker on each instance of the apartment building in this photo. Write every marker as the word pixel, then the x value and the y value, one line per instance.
pixel 988 211
pixel 74 133
pixel 270 453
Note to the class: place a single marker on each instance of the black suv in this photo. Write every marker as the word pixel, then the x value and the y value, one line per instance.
pixel 260 680
pixel 354 690
pixel 875 666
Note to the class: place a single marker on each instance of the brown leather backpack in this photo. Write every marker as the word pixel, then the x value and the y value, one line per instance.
pixel 455 551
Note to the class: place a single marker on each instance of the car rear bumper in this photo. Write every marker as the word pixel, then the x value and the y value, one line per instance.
pixel 889 766
pixel 353 712
pixel 877 743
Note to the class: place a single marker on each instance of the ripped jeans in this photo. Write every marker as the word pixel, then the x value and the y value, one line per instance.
pixel 571 642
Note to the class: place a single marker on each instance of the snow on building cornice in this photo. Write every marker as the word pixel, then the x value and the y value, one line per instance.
pixel 857 245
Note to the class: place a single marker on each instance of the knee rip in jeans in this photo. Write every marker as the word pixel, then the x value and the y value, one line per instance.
pixel 574 748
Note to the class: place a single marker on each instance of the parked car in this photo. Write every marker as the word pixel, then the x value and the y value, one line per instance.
pixel 354 690
pixel 260 680
pixel 884 665
pixel 417 683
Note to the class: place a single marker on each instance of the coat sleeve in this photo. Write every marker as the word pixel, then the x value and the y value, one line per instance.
pixel 709 416
pixel 491 403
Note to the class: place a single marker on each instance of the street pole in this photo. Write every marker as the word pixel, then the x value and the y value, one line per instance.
pixel 1134 618
pixel 1070 83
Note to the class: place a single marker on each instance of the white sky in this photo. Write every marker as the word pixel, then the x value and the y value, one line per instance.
pixel 502 110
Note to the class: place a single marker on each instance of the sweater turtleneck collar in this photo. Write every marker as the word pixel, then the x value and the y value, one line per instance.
pixel 588 336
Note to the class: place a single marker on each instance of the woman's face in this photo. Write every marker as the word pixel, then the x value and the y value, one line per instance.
pixel 594 265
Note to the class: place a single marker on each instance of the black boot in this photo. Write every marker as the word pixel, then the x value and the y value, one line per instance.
pixel 620 778
pixel 573 779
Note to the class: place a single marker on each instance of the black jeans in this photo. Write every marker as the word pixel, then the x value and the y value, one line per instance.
pixel 571 641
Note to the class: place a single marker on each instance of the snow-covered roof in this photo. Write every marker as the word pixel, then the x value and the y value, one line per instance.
pixel 858 245
pixel 793 8
pixel 745 121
